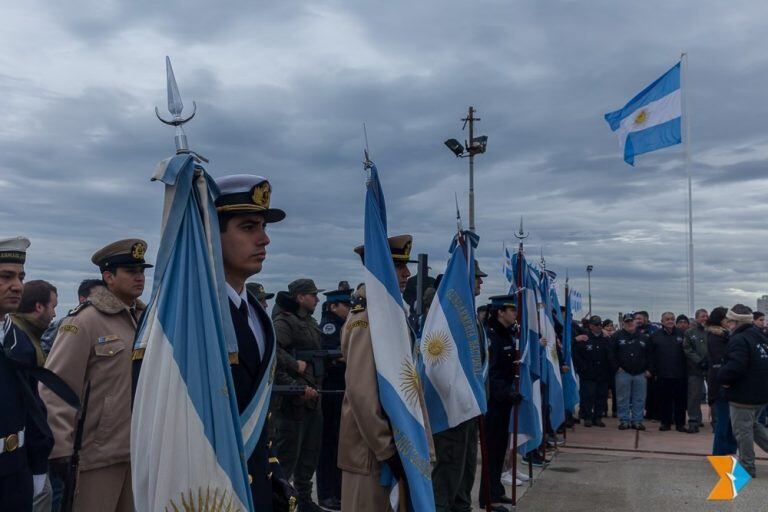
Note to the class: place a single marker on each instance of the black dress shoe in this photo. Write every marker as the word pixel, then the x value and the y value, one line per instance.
pixel 505 499
pixel 587 423
pixel 623 426
pixel 330 504
pixel 495 508
pixel 309 506
pixel 598 423
pixel 664 428
pixel 681 428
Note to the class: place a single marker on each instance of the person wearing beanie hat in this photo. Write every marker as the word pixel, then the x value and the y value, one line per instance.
pixel 744 375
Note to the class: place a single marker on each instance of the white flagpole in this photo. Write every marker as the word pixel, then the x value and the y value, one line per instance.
pixel 687 145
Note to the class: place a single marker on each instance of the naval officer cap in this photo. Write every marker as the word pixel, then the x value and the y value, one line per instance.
pixel 123 253
pixel 478 272
pixel 246 193
pixel 336 296
pixel 399 246
pixel 503 301
pixel 14 250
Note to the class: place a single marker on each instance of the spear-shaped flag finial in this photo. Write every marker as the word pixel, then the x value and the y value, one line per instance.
pixel 458 213
pixel 175 107
pixel 367 163
pixel 521 235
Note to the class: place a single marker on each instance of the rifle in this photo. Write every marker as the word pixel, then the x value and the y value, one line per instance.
pixel 70 482
pixel 317 358
pixel 298 390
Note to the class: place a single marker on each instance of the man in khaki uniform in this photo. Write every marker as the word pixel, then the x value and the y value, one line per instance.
pixel 94 345
pixel 366 440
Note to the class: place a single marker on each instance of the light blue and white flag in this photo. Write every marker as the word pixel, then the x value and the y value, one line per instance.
pixel 452 366
pixel 529 429
pixel 576 300
pixel 396 372
pixel 550 362
pixel 187 442
pixel 570 378
pixel 651 120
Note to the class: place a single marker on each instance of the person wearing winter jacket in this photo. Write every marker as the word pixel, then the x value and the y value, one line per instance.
pixel 744 375
pixel 717 340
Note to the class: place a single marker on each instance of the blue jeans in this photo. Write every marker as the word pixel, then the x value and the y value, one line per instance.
pixel 723 443
pixel 630 394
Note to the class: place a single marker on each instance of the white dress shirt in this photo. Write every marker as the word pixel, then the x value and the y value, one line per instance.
pixel 254 321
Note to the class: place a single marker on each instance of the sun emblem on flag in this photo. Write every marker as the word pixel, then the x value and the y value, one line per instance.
pixel 204 501
pixel 641 117
pixel 409 382
pixel 436 347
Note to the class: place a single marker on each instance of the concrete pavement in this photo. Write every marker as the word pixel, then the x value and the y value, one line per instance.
pixel 611 469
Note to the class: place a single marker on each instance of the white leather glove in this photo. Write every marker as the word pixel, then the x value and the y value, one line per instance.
pixel 38 482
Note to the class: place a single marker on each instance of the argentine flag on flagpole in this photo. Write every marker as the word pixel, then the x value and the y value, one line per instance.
pixel 397 375
pixel 529 416
pixel 550 363
pixel 570 379
pixel 187 442
pixel 651 120
pixel 452 367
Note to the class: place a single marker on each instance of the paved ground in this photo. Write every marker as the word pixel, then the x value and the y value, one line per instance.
pixel 610 469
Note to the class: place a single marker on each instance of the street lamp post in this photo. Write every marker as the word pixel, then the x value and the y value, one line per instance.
pixel 474 146
pixel 589 287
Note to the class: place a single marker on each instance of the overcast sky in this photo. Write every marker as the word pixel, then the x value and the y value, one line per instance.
pixel 283 89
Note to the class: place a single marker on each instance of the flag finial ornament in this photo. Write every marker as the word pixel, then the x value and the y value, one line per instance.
pixel 175 107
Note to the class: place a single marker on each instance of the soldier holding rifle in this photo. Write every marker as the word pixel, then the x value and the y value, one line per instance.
pixel 298 419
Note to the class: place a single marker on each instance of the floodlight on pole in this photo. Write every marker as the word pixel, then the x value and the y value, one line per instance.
pixel 473 146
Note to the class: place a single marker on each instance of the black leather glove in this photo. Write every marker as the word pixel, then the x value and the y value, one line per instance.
pixel 284 496
pixel 396 465
pixel 514 398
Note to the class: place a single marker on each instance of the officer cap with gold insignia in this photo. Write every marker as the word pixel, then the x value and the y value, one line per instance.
pixel 123 253
pixel 400 247
pixel 14 250
pixel 246 193
pixel 503 301
pixel 258 290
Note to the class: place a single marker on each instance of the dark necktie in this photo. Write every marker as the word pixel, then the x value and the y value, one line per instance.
pixel 244 310
pixel 132 309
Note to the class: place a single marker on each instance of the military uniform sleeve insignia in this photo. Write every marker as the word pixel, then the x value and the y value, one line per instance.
pixel 68 328
pixel 358 323
pixel 329 328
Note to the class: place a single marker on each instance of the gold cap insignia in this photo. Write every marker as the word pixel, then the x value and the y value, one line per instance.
pixel 260 194
pixel 138 250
